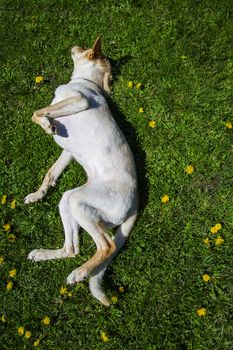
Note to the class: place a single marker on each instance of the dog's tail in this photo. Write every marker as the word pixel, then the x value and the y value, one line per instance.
pixel 96 279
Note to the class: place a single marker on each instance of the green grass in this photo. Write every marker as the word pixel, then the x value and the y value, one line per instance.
pixel 162 264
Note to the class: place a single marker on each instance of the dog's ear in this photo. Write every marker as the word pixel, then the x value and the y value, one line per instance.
pixel 97 47
pixel 107 82
pixel 96 50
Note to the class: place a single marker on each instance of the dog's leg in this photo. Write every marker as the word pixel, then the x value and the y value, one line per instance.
pixel 71 227
pixel 50 178
pixel 105 248
pixel 69 106
pixel 96 278
pixel 87 217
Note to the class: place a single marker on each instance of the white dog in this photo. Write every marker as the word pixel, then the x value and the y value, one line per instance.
pixel 81 123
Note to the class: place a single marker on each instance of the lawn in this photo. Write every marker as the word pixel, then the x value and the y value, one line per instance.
pixel 172 284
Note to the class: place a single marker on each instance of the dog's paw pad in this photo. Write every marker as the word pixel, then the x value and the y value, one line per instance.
pixel 76 276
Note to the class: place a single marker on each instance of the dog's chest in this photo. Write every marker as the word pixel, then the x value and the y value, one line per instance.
pixel 76 130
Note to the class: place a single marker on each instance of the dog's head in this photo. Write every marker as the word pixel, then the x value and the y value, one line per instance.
pixel 92 64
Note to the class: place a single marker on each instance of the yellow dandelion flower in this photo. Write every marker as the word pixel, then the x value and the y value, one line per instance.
pixel 28 334
pixel 46 321
pixel 69 294
pixel 3 200
pixel 214 229
pixel 13 204
pixel 130 84
pixel 218 226
pixel 206 241
pixel 189 169
pixel 104 337
pixel 21 331
pixel 63 290
pixel 141 110
pixel 6 227
pixel 12 273
pixel 229 125
pixel 36 343
pixel 201 311
pixel 11 238
pixel 152 124
pixel 39 79
pixel 3 318
pixel 206 278
pixel 165 199
pixel 219 240
pixel 114 299
pixel 121 289
pixel 139 86
pixel 1 260
pixel 9 285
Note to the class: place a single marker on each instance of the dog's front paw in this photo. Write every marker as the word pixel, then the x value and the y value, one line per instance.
pixel 48 126
pixel 33 197
pixel 44 122
pixel 77 275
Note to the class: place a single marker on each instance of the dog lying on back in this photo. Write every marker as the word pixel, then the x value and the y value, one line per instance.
pixel 81 123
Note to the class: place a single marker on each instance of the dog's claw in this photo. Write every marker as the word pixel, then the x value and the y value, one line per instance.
pixel 54 129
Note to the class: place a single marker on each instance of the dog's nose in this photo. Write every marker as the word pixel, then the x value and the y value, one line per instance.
pixel 73 50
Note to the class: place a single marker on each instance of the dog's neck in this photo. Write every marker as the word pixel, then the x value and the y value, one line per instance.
pixel 89 75
pixel 87 83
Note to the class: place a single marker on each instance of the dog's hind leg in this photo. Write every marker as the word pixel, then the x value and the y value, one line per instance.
pixel 50 178
pixel 97 275
pixel 71 227
pixel 89 218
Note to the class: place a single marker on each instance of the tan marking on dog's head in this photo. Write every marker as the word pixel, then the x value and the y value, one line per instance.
pixel 97 61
